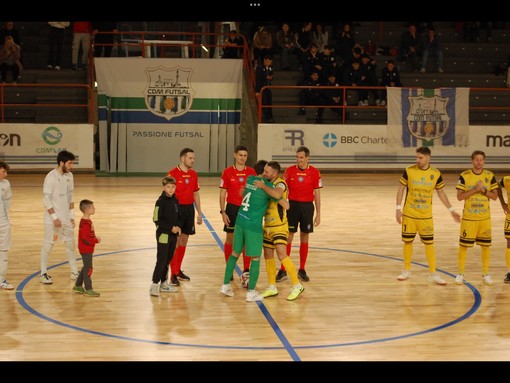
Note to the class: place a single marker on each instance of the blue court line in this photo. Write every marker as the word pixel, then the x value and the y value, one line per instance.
pixel 286 345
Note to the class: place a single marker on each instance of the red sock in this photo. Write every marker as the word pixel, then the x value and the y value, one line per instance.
pixel 303 255
pixel 227 249
pixel 246 261
pixel 175 263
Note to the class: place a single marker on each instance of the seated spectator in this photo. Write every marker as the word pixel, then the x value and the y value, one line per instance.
pixel 304 37
pixel 10 60
pixel 262 44
pixel 368 69
pixel 409 45
pixel 352 77
pixel 390 76
pixel 432 47
pixel 233 46
pixel 10 30
pixel 320 36
pixel 328 62
pixel 286 42
pixel 345 43
pixel 311 62
pixel 312 96
pixel 333 97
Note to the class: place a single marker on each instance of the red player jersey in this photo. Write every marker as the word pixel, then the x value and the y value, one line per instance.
pixel 234 180
pixel 187 184
pixel 302 182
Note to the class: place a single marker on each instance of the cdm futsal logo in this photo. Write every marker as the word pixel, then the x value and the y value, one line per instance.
pixel 169 93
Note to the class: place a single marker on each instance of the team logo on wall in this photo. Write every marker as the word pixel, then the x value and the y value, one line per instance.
pixel 168 93
pixel 428 118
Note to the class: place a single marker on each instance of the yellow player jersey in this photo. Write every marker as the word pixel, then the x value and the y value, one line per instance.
pixel 505 184
pixel 476 207
pixel 276 215
pixel 420 190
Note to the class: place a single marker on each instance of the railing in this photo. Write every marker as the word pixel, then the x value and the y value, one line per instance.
pixel 344 106
pixel 88 105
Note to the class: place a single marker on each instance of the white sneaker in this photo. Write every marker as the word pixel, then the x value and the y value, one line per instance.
pixel 227 290
pixel 440 70
pixel 245 279
pixel 422 70
pixel 74 276
pixel 487 280
pixel 166 288
pixel 406 274
pixel 6 286
pixel 46 279
pixel 154 291
pixel 436 279
pixel 377 102
pixel 383 102
pixel 49 66
pixel 459 279
pixel 57 67
pixel 253 296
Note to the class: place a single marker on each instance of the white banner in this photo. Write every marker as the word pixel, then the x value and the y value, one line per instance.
pixel 35 146
pixel 153 108
pixel 369 147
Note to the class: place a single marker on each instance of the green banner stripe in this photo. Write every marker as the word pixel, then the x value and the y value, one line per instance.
pixel 428 92
pixel 198 103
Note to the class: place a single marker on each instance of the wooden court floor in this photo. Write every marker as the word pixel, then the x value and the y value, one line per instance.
pixel 353 308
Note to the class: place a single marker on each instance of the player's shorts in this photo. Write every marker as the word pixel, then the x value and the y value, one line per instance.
pixel 54 234
pixel 274 235
pixel 231 211
pixel 187 216
pixel 479 232
pixel 412 226
pixel 300 214
pixel 250 240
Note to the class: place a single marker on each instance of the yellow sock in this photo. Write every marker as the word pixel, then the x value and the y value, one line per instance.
pixel 486 259
pixel 271 271
pixel 408 254
pixel 462 258
pixel 430 253
pixel 291 270
pixel 507 257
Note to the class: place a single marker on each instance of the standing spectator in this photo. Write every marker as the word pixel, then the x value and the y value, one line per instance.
pixel 166 219
pixel 103 42
pixel 59 213
pixel 409 45
pixel 352 77
pixel 305 183
pixel 188 195
pixel 432 47
pixel 419 182
pixel 81 38
pixel 304 37
pixel 56 41
pixel 285 40
pixel 505 184
pixel 10 60
pixel 264 77
pixel 390 76
pixel 248 233
pixel 5 225
pixel 262 44
pixel 320 36
pixel 233 46
pixel 476 187
pixel 87 240
pixel 276 231
pixel 345 42
pixel 232 183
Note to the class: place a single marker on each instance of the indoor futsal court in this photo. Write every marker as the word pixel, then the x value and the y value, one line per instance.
pixel 353 308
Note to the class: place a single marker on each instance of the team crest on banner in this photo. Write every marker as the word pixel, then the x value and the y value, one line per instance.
pixel 168 93
pixel 427 117
pixel 432 117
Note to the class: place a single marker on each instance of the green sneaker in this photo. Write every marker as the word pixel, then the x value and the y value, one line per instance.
pixel 295 292
pixel 91 293
pixel 271 291
pixel 78 289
